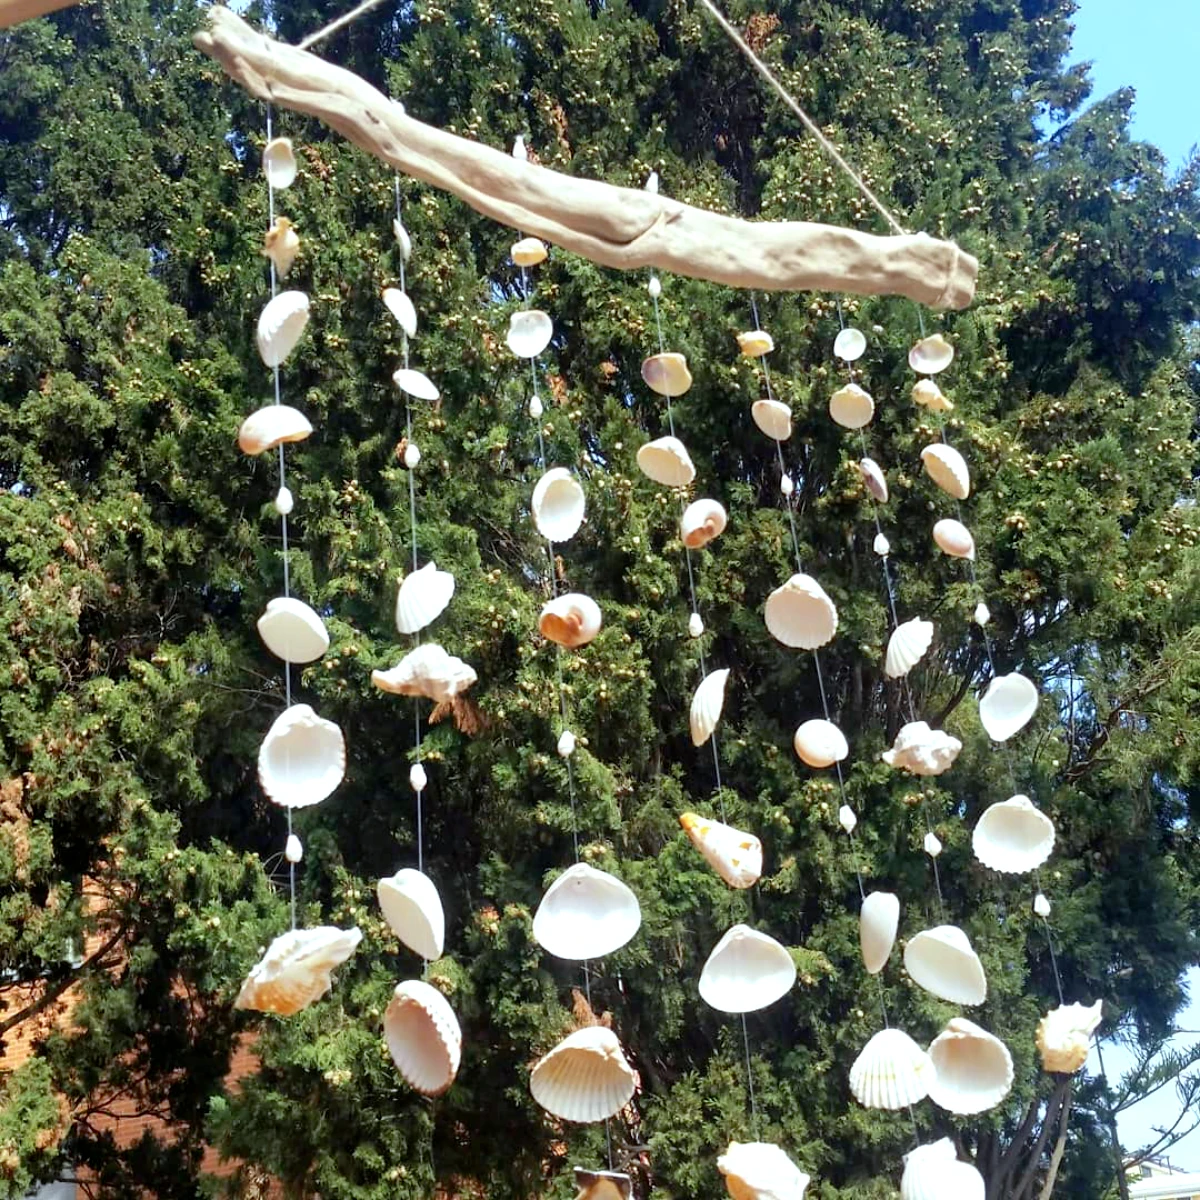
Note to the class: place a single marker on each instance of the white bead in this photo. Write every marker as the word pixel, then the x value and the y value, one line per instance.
pixel 412 455
pixel 882 546
pixel 1041 905
pixel 786 486
pixel 651 185
pixel 566 743
pixel 695 625
pixel 518 151
pixel 982 614
pixel 293 851
pixel 284 501
pixel 535 406
pixel 932 846
pixel 654 287
pixel 417 779
pixel 846 818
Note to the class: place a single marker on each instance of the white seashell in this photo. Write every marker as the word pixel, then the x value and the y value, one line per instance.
pixel 1007 706
pixel 571 620
pixel 585 914
pixel 272 426
pixel 666 461
pixel 529 332
pixel 846 818
pixel 948 469
pixel 734 855
pixel 702 521
pixel 874 479
pixel 707 702
pixel 773 417
pixel 602 1185
pixel 412 907
pixel 566 744
pixel 928 395
pixel 402 239
pixel 933 1172
pixel 942 962
pixel 422 598
pixel 284 501
pixel 1064 1035
pixel 786 485
pixel 1013 836
pixel 558 505
pixel 654 287
pixel 279 162
pixel 412 455
pixel 426 671
pixel 921 750
pixel 415 384
pixel 651 184
pixel 820 743
pixel 851 407
pixel 891 1071
pixel 982 614
pixel 907 646
pixel 418 780
pixel 536 408
pixel 519 152
pixel 302 759
pixel 746 971
pixel 293 631
pixel 877 924
pixel 932 844
pixel 297 969
pixel 293 849
pixel 695 625
pixel 528 252
pixel 667 374
pixel 931 355
pixel 280 325
pixel 423 1037
pixel 281 244
pixel 973 1070
pixel 849 345
pixel 799 614
pixel 1041 906
pixel 755 343
pixel 954 538
pixel 761 1171
pixel 401 307
pixel 585 1077
pixel 881 545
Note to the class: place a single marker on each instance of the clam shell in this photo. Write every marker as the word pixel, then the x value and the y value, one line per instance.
pixel 734 855
pixel 280 325
pixel 931 355
pixel 707 702
pixel 297 969
pixel 851 407
pixel 412 907
pixel 799 614
pixel 279 162
pixel 558 505
pixel 820 743
pixel 281 244
pixel 423 597
pixel 1013 836
pixel 272 426
pixel 874 479
pixel 401 307
pixel 529 332
pixel 302 759
pixel 954 538
pixel 667 374
pixel 907 646
pixel 415 384
pixel 666 461
pixel 423 1037
pixel 571 620
pixel 878 921
pixel 293 631
pixel 1007 706
pixel 891 1071
pixel 403 240
pixel 773 417
pixel 1064 1036
pixel 528 252
pixel 933 1172
pixel 755 343
pixel 585 1077
pixel 427 671
pixel 702 521
pixel 948 469
pixel 746 971
pixel 602 1185
pixel 850 345
pixel 928 395
pixel 942 961
pixel 973 1070
pixel 585 914
pixel 921 750
pixel 761 1171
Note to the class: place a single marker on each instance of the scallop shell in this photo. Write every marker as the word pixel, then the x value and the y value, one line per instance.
pixel 931 355
pixel 1013 836
pixel 403 240
pixel 773 417
pixel 1064 1036
pixel 1007 706
pixel 281 244
pixel 416 384
pixel 755 343
pixel 874 479
pixel 666 461
pixel 571 620
pixel 272 426
pixel 667 374
pixel 878 921
pixel 427 671
pixel 820 743
pixel 280 325
pixel 602 1185
pixel 423 1037
pixel 401 307
pixel 734 855
pixel 412 907
pixel 702 521
pixel 851 407
pixel 761 1171
pixel 528 252
pixel 558 505
pixel 891 1071
pixel 799 614
pixel 586 914
pixel 423 597
pixel 707 702
pixel 942 961
pixel 973 1070
pixel 529 332
pixel 297 969
pixel 293 631
pixel 279 162
pixel 954 538
pixel 948 469
pixel 933 1172
pixel 302 759
pixel 585 1077
pixel 850 345
pixel 746 971
pixel 928 395
pixel 921 750
pixel 907 646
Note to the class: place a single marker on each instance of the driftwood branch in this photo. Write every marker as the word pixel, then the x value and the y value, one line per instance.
pixel 613 226
pixel 13 12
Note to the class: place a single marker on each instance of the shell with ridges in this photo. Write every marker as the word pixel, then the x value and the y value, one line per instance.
pixel 1064 1035
pixel 954 538
pixel 667 374
pixel 1007 706
pixel 799 614
pixel 558 505
pixel 279 162
pixel 1013 836
pixel 528 252
pixel 933 1172
pixel 891 1071
pixel 928 395
pixel 761 1171
pixel 942 961
pixel 851 407
pixel 423 597
pixel 702 521
pixel 586 913
pixel 427 671
pixel 401 307
pixel 907 646
pixel 773 417
pixel 948 469
pixel 973 1069
pixel 272 426
pixel 412 907
pixel 746 971
pixel 416 384
pixel 281 244
pixel 666 460
pixel 293 631
pixel 302 759
pixel 707 703
pixel 931 355
pixel 874 479
pixel 297 969
pixel 571 620
pixel 878 921
pixel 585 1077
pixel 529 332
pixel 734 855
pixel 755 343
pixel 819 743
pixel 423 1037
pixel 921 750
pixel 280 326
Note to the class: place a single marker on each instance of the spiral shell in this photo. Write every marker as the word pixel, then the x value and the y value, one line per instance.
pixel 702 521
pixel 735 856
pixel 1064 1036
pixel 571 620
pixel 297 969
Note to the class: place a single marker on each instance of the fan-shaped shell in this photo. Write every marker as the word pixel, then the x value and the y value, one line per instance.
pixel 423 1037
pixel 746 971
pixel 928 395
pixel 773 417
pixel 931 355
pixel 403 240
pixel 401 307
pixel 954 538
pixel 973 1070
pixel 707 702
pixel 1013 836
pixel 761 1171
pixel 586 913
pixel 415 383
pixel 907 646
pixel 558 505
pixel 427 671
pixel 702 521
pixel 667 374
pixel 933 1172
pixel 948 469
pixel 877 924
pixel 850 345
pixel 272 426
pixel 423 597
pixel 820 743
pixel 528 252
pixel 755 343
pixel 1064 1035
pixel 281 244
pixel 279 162
pixel 293 631
pixel 529 332
pixel 942 961
pixel 851 407
pixel 666 461
pixel 734 855
pixel 1007 706
pixel 585 1077
pixel 891 1071
pixel 412 907
pixel 571 620
pixel 280 325
pixel 799 614
pixel 302 759
pixel 874 478
pixel 297 969
pixel 921 750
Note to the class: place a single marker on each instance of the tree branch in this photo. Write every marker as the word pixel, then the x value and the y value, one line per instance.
pixel 1059 1147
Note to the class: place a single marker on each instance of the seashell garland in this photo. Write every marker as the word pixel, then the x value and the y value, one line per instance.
pixel 921 750
pixel 877 924
pixel 1064 1036
pixel 799 614
pixel 667 374
pixel 735 856
pixel 666 460
pixel 933 1172
pixel 746 971
pixel 948 469
pixel 423 597
pixel 272 426
pixel 907 646
pixel 585 1077
pixel 702 521
pixel 293 631
pixel 1007 706
pixel 423 1037
pixel 302 759
pixel 1013 836
pixel 401 307
pixel 427 671
pixel 755 343
pixel 529 332
pixel 571 620
pixel 297 969
pixel 280 326
pixel 942 961
pixel 819 743
pixel 931 355
pixel 279 162
pixel 586 913
pixel 281 244
pixel 761 1171
pixel 851 407
pixel 412 907
pixel 973 1069
pixel 773 417
pixel 954 538
pixel 707 703
pixel 558 505
pixel 891 1071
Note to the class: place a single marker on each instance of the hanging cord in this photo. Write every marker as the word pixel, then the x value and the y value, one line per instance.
pixel 334 26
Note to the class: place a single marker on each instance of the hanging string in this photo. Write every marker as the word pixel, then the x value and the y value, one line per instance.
pixel 334 26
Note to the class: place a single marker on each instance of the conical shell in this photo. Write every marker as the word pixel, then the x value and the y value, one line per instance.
pixel 874 478
pixel 302 759
pixel 773 417
pixel 734 855
pixel 423 1037
pixel 877 924
pixel 931 355
pixel 921 750
pixel 571 620
pixel 707 702
pixel 423 597
pixel 948 469
pixel 851 407
pixel 755 343
pixel 558 505
pixel 401 307
pixel 415 384
pixel 272 426
pixel 667 374
pixel 973 1070
pixel 928 395
pixel 820 743
pixel 585 914
pixel 1064 1035
pixel 412 907
pixel 891 1072
pixel 954 538
pixel 293 631
pixel 279 162
pixel 702 521
pixel 1013 836
pixel 528 252
pixel 427 671
pixel 849 345
pixel 529 332
pixel 585 1077
pixel 1007 706
pixel 280 326
pixel 761 1171
pixel 281 244
pixel 907 646
pixel 666 461
pixel 746 971
pixel 297 969
pixel 799 614
pixel 933 1172
pixel 942 961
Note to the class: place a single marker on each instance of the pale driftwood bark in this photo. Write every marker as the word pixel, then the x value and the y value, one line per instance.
pixel 613 226
pixel 13 12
